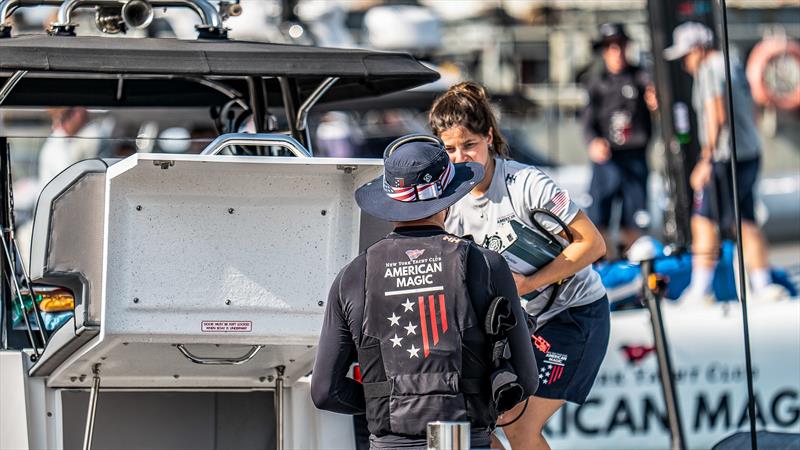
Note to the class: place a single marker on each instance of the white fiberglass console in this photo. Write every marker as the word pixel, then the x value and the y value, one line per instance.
pixel 214 270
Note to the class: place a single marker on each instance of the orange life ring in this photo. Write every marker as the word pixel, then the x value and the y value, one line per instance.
pixel 762 64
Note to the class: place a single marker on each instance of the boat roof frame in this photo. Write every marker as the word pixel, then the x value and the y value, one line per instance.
pixel 92 71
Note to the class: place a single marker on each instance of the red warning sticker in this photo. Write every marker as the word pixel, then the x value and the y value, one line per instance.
pixel 226 326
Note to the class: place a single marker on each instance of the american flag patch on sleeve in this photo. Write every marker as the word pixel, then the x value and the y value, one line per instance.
pixel 558 204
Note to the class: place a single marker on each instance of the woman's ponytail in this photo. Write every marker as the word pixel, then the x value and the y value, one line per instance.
pixel 466 104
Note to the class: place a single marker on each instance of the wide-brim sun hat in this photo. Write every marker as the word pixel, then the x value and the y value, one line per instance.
pixel 610 33
pixel 418 181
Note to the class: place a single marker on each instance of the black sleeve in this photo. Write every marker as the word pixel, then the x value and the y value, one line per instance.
pixel 588 116
pixel 643 78
pixel 331 388
pixel 522 358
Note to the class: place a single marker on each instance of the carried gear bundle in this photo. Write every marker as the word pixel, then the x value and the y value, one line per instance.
pixel 500 320
pixel 527 250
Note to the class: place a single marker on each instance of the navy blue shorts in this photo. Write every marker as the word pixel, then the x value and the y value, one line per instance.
pixel 715 201
pixel 569 350
pixel 621 179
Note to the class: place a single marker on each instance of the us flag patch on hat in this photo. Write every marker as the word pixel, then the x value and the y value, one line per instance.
pixel 558 204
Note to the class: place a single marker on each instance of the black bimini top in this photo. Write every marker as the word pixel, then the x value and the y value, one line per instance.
pixel 104 71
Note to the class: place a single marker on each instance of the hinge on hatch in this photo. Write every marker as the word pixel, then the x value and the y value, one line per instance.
pixel 346 168
pixel 163 164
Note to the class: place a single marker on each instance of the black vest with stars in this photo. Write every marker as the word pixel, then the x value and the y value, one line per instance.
pixel 421 337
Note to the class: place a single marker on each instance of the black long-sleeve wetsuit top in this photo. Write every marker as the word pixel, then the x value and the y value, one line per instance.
pixel 332 390
pixel 617 111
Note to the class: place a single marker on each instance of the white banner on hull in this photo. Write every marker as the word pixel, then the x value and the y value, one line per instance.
pixel 625 409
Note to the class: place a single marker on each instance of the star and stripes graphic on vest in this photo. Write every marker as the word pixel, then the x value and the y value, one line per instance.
pixel 425 316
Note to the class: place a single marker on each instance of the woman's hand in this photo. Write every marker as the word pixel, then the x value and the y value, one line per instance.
pixel 701 175
pixel 650 98
pixel 520 280
pixel 587 247
pixel 599 150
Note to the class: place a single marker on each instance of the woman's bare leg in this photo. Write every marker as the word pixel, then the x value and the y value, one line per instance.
pixel 526 433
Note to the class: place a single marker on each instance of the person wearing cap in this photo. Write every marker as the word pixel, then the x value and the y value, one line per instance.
pixel 414 310
pixel 711 177
pixel 617 128
pixel 571 330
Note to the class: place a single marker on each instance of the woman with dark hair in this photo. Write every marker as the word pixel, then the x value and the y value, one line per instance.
pixel 571 331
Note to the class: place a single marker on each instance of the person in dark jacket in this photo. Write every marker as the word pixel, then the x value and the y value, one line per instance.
pixel 617 128
pixel 421 311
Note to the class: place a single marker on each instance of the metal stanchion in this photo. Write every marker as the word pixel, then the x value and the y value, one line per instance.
pixel 36 311
pixel 17 292
pixel 643 252
pixel 89 431
pixel 279 419
pixel 448 436
pixel 748 360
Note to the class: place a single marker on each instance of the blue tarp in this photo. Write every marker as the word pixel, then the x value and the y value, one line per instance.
pixel 677 270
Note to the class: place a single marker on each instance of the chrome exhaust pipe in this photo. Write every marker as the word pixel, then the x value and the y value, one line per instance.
pixel 133 15
pixel 138 13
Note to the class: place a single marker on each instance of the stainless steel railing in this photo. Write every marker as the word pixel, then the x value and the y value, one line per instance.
pixel 448 436
pixel 257 139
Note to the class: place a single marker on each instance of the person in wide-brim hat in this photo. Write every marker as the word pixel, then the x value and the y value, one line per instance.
pixel 400 308
pixel 418 181
pixel 610 33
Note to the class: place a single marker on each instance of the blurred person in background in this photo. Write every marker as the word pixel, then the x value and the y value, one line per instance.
pixel 337 135
pixel 617 128
pixel 711 177
pixel 73 139
pixel 571 336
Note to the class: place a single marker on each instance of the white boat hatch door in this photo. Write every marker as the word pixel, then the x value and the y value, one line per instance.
pixel 216 269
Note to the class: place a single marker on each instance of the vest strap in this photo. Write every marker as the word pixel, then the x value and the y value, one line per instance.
pixel 377 389
pixel 381 389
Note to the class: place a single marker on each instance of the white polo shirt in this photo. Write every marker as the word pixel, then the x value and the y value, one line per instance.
pixel 529 188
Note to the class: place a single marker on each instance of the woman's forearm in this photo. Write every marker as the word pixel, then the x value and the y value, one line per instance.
pixel 575 257
pixel 587 247
pixel 715 119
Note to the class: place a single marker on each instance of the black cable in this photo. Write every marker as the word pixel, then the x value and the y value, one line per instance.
pixel 564 226
pixel 519 416
pixel 751 406
pixel 545 232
